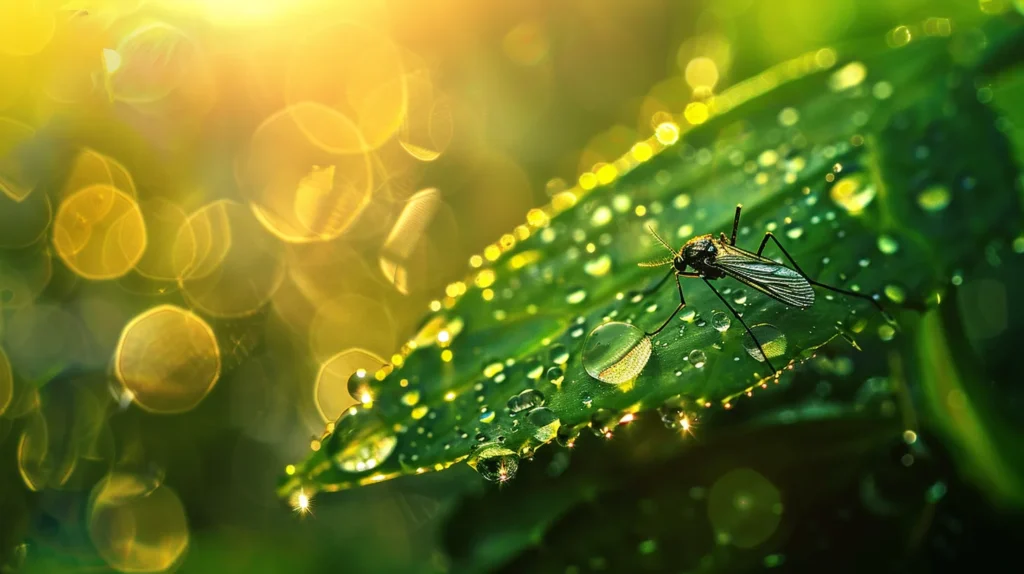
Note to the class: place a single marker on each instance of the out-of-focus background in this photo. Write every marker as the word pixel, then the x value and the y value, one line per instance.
pixel 214 211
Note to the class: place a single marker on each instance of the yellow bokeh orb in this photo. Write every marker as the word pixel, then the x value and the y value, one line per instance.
pixel 167 359
pixel 135 526
pixel 99 232
pixel 331 392
pixel 366 83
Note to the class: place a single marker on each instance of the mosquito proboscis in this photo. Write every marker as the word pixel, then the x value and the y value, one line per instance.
pixel 709 258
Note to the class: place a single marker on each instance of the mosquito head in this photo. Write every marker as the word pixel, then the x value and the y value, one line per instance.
pixel 699 250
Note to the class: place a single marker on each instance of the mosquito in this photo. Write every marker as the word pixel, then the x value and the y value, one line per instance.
pixel 712 259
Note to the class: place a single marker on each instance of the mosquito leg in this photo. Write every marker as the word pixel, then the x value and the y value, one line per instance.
pixel 796 266
pixel 735 225
pixel 744 323
pixel 682 303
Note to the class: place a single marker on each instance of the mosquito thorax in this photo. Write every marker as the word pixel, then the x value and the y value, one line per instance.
pixel 700 249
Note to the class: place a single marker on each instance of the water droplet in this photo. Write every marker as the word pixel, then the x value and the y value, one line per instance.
pixel 934 198
pixel 559 355
pixel 576 296
pixel 740 297
pixel 697 358
pixel 720 321
pixel 616 352
pixel 853 193
pixel 772 340
pixel 886 332
pixel 602 215
pixel 361 441
pixel 555 375
pixel 542 417
pixel 487 416
pixel 598 267
pixel 528 399
pixel 359 383
pixel 495 463
pixel 681 201
pixel 534 369
pixel 411 398
pixel 588 401
pixel 895 293
pixel 887 245
pixel 493 368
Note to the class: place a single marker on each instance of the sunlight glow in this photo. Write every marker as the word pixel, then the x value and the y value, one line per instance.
pixel 243 12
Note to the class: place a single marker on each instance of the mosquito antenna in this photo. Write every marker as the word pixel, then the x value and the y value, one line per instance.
pixel 660 240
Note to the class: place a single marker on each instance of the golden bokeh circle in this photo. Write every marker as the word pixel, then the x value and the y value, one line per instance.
pixel 331 392
pixel 164 219
pixel 153 60
pixel 167 359
pixel 366 83
pixel 136 527
pixel 93 168
pixel 226 263
pixel 99 232
pixel 304 188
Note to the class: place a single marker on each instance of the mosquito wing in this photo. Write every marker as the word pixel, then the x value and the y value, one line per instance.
pixel 773 279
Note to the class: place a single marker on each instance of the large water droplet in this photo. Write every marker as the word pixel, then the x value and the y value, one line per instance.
pixel 720 321
pixel 772 340
pixel 616 352
pixel 934 198
pixel 697 358
pixel 528 399
pixel 495 463
pixel 853 192
pixel 361 441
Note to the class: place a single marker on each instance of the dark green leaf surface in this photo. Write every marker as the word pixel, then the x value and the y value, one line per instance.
pixel 868 163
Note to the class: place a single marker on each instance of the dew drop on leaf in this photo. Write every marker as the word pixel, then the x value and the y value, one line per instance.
pixel 697 358
pixel 576 296
pixel 598 267
pixel 895 293
pixel 616 352
pixel 887 245
pixel 555 375
pixel 542 417
pixel 721 321
pixel 853 193
pixel 361 441
pixel 559 354
pixel 934 198
pixel 495 463
pixel 772 340
pixel 528 399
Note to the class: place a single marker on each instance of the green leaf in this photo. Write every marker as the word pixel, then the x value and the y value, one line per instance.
pixel 868 164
